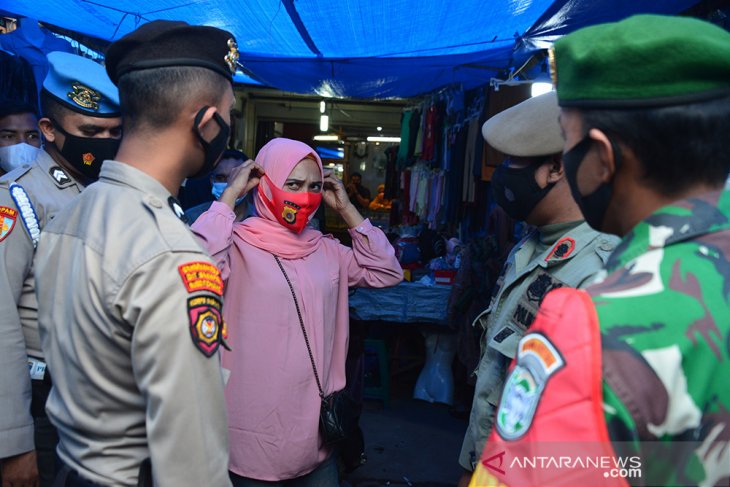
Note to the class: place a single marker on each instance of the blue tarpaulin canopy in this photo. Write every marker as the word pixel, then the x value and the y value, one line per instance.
pixel 358 48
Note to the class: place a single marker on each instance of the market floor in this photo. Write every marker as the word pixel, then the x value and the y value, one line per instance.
pixel 409 443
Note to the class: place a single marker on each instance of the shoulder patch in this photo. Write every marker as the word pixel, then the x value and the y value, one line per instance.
pixel 207 328
pixel 201 276
pixel 537 361
pixel 27 212
pixel 562 249
pixel 8 216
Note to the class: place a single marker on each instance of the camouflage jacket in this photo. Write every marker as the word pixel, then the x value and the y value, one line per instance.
pixel 664 310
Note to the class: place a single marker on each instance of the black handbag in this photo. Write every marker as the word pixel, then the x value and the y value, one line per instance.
pixel 338 417
pixel 339 412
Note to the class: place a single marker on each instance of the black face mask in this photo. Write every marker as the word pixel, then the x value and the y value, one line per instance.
pixel 213 150
pixel 86 154
pixel 516 190
pixel 594 205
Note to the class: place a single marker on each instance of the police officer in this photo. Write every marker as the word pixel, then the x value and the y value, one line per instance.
pixel 133 335
pixel 641 357
pixel 81 125
pixel 20 139
pixel 562 251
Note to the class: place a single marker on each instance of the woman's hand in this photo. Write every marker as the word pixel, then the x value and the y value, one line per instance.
pixel 334 193
pixel 241 180
pixel 335 196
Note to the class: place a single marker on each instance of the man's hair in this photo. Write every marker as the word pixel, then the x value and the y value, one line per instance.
pixel 678 146
pixel 51 108
pixel 15 107
pixel 155 98
pixel 356 175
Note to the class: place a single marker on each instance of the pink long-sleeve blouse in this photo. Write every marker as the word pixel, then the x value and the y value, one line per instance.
pixel 272 396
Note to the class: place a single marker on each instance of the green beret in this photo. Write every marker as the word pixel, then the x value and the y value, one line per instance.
pixel 168 43
pixel 642 61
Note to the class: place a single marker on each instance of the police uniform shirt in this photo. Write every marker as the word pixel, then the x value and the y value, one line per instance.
pixel 132 337
pixel 531 271
pixel 30 196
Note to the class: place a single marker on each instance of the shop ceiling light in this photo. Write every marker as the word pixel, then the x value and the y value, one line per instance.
pixel 384 139
pixel 324 123
pixel 327 138
pixel 322 106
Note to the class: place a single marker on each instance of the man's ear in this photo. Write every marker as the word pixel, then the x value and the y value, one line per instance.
pixel 46 127
pixel 606 156
pixel 203 122
pixel 556 172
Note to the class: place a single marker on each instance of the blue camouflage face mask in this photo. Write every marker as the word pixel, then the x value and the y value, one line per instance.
pixel 217 191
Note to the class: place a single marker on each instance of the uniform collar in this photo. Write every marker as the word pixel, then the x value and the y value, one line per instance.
pixel 60 176
pixel 565 247
pixel 680 221
pixel 155 193
pixel 126 175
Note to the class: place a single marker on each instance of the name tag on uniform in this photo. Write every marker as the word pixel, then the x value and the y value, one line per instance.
pixel 37 369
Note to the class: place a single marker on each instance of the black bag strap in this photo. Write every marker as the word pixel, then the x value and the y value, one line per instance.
pixel 301 323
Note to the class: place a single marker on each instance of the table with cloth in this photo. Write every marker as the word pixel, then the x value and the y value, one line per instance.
pixel 416 304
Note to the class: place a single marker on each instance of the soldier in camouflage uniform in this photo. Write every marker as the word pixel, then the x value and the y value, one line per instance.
pixel 643 370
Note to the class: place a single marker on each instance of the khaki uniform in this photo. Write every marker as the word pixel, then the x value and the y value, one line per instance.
pixel 130 321
pixel 48 188
pixel 571 260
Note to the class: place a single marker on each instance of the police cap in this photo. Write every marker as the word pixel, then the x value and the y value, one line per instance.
pixel 81 85
pixel 528 129
pixel 167 43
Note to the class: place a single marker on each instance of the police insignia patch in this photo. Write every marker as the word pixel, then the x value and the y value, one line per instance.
pixel 206 323
pixel 562 249
pixel 84 96
pixel 59 175
pixel 289 213
pixel 177 209
pixel 232 57
pixel 8 218
pixel 537 361
pixel 88 158
pixel 201 276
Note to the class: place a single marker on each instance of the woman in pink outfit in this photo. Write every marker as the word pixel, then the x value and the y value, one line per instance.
pixel 272 395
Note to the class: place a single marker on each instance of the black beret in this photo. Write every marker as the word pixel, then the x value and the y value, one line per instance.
pixel 167 43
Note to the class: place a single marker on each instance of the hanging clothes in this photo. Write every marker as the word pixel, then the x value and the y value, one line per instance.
pixel 429 134
pixel 405 139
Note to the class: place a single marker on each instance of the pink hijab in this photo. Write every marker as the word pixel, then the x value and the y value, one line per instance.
pixel 278 158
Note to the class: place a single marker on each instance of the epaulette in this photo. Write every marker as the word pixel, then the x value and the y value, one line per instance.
pixel 15 174
pixel 27 212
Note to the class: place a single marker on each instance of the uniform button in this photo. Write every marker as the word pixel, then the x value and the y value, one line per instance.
pixel 606 245
pixel 154 202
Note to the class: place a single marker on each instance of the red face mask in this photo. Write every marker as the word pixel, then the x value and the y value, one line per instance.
pixel 292 210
